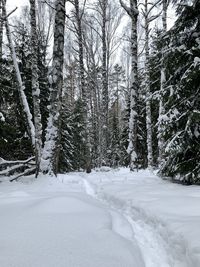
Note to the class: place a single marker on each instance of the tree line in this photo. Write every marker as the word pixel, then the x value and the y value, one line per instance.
pixel 102 83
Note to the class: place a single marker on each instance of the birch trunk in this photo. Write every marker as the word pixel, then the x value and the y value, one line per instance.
pixel 148 93
pixel 35 87
pixel 162 82
pixel 23 99
pixel 1 29
pixel 50 155
pixel 133 121
pixel 96 100
pixel 83 87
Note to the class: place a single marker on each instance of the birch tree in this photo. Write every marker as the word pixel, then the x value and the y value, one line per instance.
pixel 50 155
pixel 35 87
pixel 132 11
pixel 148 18
pixel 79 31
pixel 162 83
pixel 20 87
pixel 92 38
pixel 105 99
pixel 1 29
pixel 107 17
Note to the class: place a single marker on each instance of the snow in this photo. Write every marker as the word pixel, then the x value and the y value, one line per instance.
pixel 165 216
pixel 52 223
pixel 2 118
pixel 107 218
pixel 196 59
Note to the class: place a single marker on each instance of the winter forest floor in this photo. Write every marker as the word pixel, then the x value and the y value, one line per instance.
pixel 107 218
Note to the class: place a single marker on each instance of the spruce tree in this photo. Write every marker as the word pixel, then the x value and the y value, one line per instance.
pixel 182 136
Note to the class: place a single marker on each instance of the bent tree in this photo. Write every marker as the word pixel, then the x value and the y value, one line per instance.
pixel 20 87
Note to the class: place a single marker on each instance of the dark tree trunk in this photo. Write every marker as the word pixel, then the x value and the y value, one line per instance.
pixel 49 161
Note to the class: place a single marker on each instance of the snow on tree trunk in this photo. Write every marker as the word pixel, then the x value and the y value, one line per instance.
pixel 133 121
pixel 23 99
pixel 50 155
pixel 35 87
pixel 83 87
pixel 162 82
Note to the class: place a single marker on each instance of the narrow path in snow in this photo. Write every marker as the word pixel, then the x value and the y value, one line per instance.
pixel 152 237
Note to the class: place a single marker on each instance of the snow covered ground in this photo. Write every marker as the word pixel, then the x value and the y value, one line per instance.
pixel 49 224
pixel 165 216
pixel 103 219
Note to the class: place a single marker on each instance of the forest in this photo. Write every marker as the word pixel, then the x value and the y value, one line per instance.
pixel 86 84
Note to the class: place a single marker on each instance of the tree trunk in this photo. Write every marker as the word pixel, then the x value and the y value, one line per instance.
pixel 1 29
pixel 133 120
pixel 104 109
pixel 148 93
pixel 35 87
pixel 50 155
pixel 83 87
pixel 162 82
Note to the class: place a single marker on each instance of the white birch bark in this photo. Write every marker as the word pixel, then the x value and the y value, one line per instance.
pixel 50 155
pixel 147 88
pixel 91 41
pixel 35 86
pixel 148 16
pixel 133 121
pixel 162 82
pixel 23 99
pixel 1 29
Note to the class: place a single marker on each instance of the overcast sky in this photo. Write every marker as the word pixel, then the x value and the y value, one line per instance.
pixel 19 3
pixel 10 4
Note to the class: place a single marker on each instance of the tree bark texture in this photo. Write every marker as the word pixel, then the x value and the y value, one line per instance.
pixel 105 98
pixel 133 121
pixel 1 28
pixel 83 86
pixel 35 86
pixel 148 93
pixel 162 83
pixel 50 155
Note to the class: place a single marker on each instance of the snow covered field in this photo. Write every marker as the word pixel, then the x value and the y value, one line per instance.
pixel 102 219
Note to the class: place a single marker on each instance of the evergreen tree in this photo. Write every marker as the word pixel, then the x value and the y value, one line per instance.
pixel 79 136
pixel 114 147
pixel 123 140
pixel 67 161
pixel 182 136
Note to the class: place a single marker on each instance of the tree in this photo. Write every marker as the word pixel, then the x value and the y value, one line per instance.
pixel 35 87
pixel 1 29
pixel 78 17
pixel 50 156
pixel 92 38
pixel 23 99
pixel 148 18
pixel 103 5
pixel 182 101
pixel 132 11
pixel 67 160
pixel 161 124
